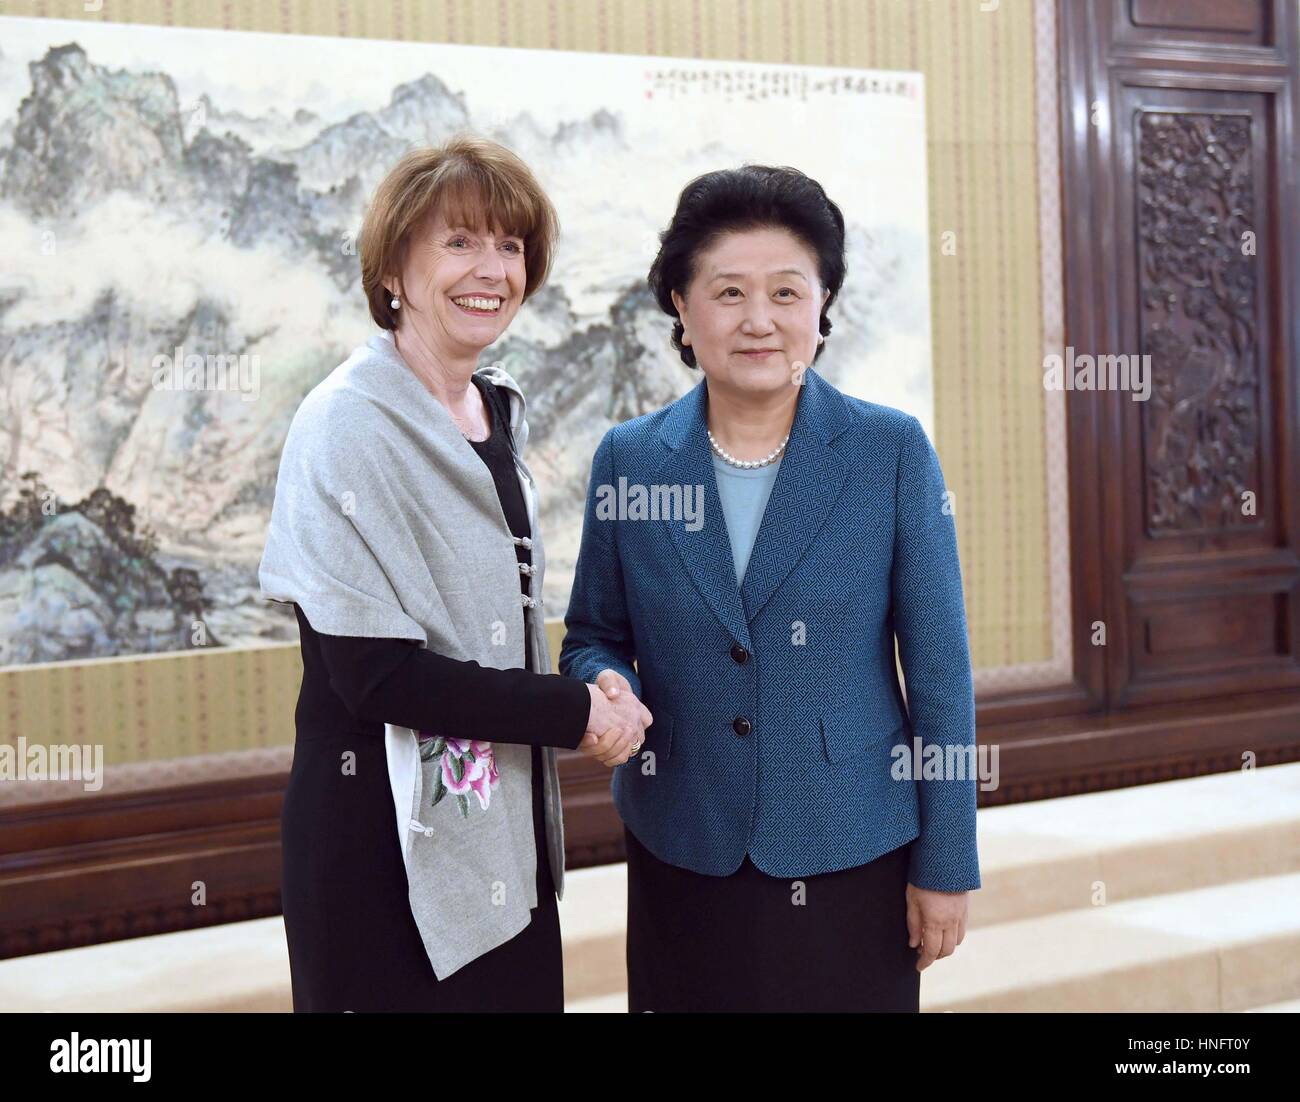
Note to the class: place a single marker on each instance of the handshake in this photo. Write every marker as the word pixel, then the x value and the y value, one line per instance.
pixel 617 722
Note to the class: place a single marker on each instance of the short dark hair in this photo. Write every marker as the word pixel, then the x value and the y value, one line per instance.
pixel 747 198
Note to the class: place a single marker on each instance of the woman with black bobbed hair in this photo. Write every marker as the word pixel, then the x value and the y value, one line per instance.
pixel 783 854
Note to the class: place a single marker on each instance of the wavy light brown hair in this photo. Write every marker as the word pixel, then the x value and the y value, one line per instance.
pixel 470 181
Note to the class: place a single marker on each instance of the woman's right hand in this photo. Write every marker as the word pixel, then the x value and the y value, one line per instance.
pixel 615 725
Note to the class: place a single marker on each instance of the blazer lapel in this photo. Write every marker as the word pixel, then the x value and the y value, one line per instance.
pixel 808 482
pixel 706 552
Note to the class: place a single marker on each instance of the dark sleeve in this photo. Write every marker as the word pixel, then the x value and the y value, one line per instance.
pixel 398 681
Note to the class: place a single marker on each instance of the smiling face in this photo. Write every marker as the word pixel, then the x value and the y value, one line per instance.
pixel 752 310
pixel 460 287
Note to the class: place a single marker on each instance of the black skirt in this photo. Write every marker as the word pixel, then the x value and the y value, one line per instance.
pixel 353 942
pixel 752 942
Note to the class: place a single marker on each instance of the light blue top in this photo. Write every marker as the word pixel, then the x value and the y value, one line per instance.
pixel 744 493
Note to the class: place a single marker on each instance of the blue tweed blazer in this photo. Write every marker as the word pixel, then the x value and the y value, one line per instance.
pixel 777 706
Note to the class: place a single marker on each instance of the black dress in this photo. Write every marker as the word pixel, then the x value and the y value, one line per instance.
pixel 353 942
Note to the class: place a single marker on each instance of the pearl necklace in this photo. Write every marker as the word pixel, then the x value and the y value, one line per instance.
pixel 746 464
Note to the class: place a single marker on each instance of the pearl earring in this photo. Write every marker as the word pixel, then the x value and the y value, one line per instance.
pixel 396 303
pixel 821 340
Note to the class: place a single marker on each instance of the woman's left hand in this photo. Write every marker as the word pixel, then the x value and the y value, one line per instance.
pixel 936 922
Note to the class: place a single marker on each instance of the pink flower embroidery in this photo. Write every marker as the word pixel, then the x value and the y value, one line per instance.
pixel 465 766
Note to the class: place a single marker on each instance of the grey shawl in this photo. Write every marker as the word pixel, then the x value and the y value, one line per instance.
pixel 386 523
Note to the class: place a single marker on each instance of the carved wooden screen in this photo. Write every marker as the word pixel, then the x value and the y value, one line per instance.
pixel 1181 214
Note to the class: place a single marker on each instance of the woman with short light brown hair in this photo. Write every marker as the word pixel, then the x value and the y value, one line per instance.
pixel 404 532
pixel 459 181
